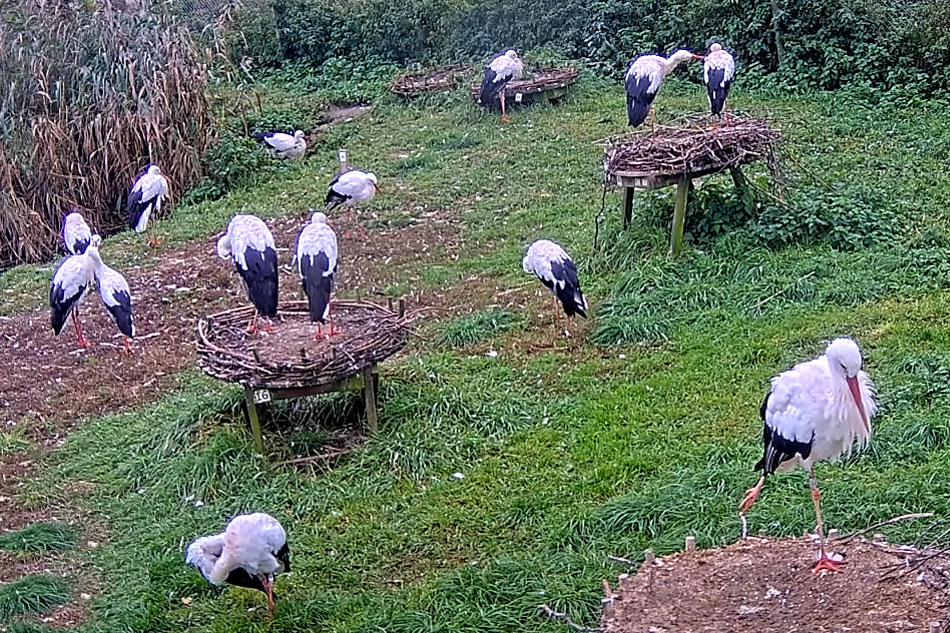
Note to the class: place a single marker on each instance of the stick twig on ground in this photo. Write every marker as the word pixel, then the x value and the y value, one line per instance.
pixel 904 517
pixel 566 619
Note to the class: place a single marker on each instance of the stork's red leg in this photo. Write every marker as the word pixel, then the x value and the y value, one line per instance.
pixel 319 333
pixel 504 114
pixel 751 495
pixel 128 348
pixel 333 329
pixel 269 589
pixel 824 561
pixel 77 323
pixel 252 326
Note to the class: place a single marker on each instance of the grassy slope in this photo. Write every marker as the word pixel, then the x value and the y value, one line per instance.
pixel 567 458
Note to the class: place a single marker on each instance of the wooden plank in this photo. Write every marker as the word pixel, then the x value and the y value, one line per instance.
pixel 369 393
pixel 254 419
pixel 679 215
pixel 350 384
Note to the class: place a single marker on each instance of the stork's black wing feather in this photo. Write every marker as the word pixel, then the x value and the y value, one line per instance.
pixel 261 279
pixel 61 305
pixel 135 207
pixel 778 449
pixel 122 312
pixel 316 285
pixel 569 294
pixel 717 89
pixel 639 98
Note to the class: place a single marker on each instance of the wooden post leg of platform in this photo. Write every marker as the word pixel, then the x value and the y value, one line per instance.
pixel 254 419
pixel 369 393
pixel 627 205
pixel 679 215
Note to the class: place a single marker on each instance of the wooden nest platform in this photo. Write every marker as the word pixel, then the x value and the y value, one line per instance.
pixel 543 84
pixel 290 357
pixel 694 146
pixel 767 585
pixel 440 79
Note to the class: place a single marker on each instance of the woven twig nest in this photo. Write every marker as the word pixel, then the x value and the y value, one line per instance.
pixel 692 145
pixel 539 81
pixel 290 356
pixel 442 78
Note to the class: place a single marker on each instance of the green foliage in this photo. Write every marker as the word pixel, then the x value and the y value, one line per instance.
pixel 478 326
pixel 233 161
pixel 32 595
pixel 39 537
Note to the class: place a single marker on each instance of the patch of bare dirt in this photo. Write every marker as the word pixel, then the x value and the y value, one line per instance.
pixel 767 586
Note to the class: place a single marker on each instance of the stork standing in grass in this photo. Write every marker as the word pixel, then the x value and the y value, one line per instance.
pixel 117 298
pixel 644 78
pixel 76 233
pixel 498 73
pixel 285 145
pixel 250 245
pixel 146 198
pixel 70 284
pixel 250 552
pixel 814 412
pixel 550 263
pixel 317 253
pixel 351 188
pixel 719 68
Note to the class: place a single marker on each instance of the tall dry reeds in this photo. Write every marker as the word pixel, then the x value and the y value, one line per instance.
pixel 89 97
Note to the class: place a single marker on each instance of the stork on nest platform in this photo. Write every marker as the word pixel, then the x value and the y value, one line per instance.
pixel 288 363
pixel 690 148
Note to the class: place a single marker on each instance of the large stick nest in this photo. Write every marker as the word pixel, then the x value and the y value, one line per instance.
pixel 290 356
pixel 692 145
pixel 539 80
pixel 442 78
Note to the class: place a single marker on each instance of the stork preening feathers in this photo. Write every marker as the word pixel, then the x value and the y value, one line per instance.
pixel 498 73
pixel 349 189
pixel 719 68
pixel 550 263
pixel 644 78
pixel 317 254
pixel 814 412
pixel 249 553
pixel 285 145
pixel 76 233
pixel 250 245
pixel 146 198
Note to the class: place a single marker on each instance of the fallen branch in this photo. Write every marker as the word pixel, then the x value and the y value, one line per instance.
pixel 566 619
pixel 316 458
pixel 622 561
pixel 779 293
pixel 905 517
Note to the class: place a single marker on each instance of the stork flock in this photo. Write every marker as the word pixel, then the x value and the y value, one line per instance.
pixel 816 411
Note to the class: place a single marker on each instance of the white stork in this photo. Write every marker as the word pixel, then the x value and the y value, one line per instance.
pixel 644 78
pixel 285 145
pixel 250 245
pixel 814 412
pixel 317 254
pixel 146 197
pixel 350 188
pixel 550 263
pixel 76 233
pixel 498 73
pixel 116 297
pixel 252 549
pixel 70 284
pixel 719 68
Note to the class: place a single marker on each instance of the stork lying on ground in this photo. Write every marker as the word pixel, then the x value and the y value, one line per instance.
pixel 285 145
pixel 250 245
pixel 644 77
pixel 814 412
pixel 250 551
pixel 317 253
pixel 498 73
pixel 550 263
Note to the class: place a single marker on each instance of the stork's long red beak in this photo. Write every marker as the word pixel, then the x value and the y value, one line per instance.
pixel 378 190
pixel 856 394
pixel 698 57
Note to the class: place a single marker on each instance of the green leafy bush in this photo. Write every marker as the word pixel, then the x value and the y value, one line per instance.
pixel 233 161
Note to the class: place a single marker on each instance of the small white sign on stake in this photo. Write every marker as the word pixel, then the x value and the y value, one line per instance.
pixel 342 156
pixel 518 97
pixel 261 396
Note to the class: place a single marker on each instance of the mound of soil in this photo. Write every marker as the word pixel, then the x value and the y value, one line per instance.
pixel 767 586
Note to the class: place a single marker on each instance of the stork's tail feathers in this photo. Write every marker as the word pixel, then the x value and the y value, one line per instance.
pixel 573 301
pixel 637 111
pixel 259 136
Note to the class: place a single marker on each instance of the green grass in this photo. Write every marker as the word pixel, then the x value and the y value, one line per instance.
pixel 636 437
pixel 32 595
pixel 39 537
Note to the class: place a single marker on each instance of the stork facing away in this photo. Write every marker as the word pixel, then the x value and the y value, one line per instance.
pixel 498 73
pixel 249 553
pixel 550 263
pixel 317 254
pixel 816 411
pixel 76 233
pixel 719 69
pixel 250 245
pixel 644 77
pixel 146 198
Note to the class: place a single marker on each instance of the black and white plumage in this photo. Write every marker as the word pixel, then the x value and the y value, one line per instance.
pixel 644 77
pixel 719 69
pixel 146 198
pixel 76 233
pixel 814 412
pixel 70 284
pixel 351 188
pixel 317 254
pixel 250 245
pixel 289 146
pixel 550 263
pixel 498 73
pixel 249 553
pixel 116 296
